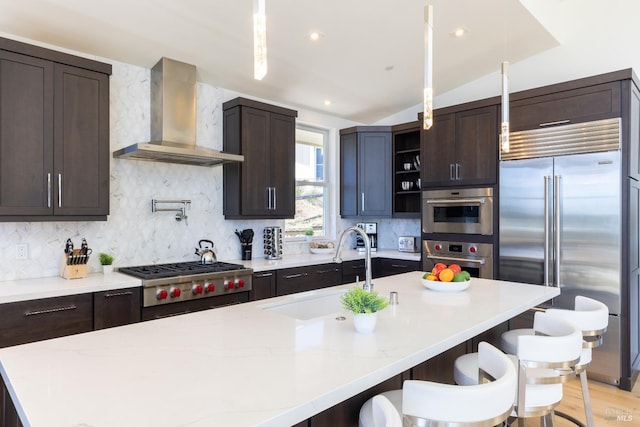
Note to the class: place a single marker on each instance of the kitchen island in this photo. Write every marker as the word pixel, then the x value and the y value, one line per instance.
pixel 248 364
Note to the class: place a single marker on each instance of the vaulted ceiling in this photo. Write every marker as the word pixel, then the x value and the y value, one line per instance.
pixel 368 61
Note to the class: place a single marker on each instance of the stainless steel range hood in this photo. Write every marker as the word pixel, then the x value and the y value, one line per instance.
pixel 173 121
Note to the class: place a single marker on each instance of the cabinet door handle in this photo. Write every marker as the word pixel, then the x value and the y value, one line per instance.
pixel 452 172
pixel 295 276
pixel 275 198
pixel 117 294
pixel 49 190
pixel 59 190
pixel 357 267
pixel 398 266
pixel 363 201
pixel 268 198
pixel 326 271
pixel 49 310
pixel 458 172
pixel 263 274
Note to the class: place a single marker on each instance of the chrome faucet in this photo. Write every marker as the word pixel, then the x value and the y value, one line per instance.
pixel 368 286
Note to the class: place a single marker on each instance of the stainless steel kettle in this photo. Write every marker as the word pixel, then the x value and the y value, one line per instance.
pixel 207 255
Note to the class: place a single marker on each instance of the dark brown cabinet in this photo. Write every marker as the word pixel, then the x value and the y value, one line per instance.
pixel 461 148
pixel 35 320
pixel 54 135
pixel 263 186
pixel 595 102
pixel 308 278
pixel 116 307
pixel 389 266
pixel 263 285
pixel 406 170
pixel 365 172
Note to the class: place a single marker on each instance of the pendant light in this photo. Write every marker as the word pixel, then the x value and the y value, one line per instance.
pixel 427 97
pixel 504 128
pixel 259 39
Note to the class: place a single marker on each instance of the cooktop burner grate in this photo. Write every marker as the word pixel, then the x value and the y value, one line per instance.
pixel 158 271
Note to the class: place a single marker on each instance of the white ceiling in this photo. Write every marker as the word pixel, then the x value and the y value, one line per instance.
pixel 369 61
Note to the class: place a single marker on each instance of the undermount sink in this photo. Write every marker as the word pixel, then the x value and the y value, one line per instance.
pixel 308 305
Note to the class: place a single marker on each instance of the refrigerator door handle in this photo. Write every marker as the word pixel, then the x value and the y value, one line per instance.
pixel 556 234
pixel 547 230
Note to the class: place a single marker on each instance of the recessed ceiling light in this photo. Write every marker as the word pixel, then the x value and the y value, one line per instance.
pixel 460 32
pixel 315 36
pixel 327 102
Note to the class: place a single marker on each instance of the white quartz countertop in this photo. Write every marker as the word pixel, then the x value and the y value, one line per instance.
pixel 243 365
pixel 300 260
pixel 29 289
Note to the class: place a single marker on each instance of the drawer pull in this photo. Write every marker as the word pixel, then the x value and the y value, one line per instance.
pixel 326 271
pixel 263 274
pixel 118 294
pixel 295 276
pixel 49 310
pixel 398 266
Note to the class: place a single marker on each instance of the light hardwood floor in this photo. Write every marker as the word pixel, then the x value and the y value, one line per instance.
pixel 611 406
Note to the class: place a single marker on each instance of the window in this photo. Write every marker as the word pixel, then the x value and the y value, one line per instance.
pixel 311 187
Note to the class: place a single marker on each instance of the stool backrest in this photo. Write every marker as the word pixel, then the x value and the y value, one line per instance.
pixel 450 404
pixel 384 413
pixel 589 314
pixel 556 341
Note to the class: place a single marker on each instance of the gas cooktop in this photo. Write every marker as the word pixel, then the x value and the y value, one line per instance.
pixel 159 271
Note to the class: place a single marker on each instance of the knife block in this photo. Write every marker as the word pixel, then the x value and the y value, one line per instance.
pixel 77 271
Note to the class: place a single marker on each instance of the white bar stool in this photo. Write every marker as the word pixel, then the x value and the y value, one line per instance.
pixel 544 362
pixel 592 317
pixel 425 403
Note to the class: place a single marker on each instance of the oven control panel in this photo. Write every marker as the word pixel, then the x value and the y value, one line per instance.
pixel 477 258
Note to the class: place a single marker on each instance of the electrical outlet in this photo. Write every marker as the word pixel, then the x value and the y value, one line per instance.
pixel 21 251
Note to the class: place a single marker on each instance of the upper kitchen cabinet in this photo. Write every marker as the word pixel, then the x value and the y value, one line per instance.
pixel 461 148
pixel 406 170
pixel 564 106
pixel 263 186
pixel 365 172
pixel 54 135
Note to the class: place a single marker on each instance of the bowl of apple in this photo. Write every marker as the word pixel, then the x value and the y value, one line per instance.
pixel 446 278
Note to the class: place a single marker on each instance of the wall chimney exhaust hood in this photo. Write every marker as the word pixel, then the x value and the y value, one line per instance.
pixel 173 121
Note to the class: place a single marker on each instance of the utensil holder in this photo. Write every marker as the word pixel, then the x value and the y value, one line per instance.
pixel 246 251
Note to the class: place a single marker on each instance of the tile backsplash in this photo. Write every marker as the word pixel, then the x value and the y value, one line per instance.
pixel 133 234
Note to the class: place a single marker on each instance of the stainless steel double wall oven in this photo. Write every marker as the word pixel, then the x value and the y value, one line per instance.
pixel 457 227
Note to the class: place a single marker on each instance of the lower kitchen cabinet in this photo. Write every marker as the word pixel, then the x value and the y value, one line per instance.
pixel 175 309
pixel 352 270
pixel 116 307
pixel 35 320
pixel 440 368
pixel 300 279
pixel 8 413
pixel 389 266
pixel 263 285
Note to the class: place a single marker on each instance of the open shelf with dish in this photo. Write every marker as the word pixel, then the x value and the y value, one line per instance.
pixel 406 167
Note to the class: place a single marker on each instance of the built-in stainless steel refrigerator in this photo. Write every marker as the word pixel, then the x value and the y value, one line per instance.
pixel 560 220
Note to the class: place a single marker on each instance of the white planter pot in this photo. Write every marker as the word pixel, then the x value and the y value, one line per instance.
pixel 107 269
pixel 365 323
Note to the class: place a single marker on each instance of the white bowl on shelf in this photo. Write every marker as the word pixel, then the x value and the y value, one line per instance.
pixel 435 285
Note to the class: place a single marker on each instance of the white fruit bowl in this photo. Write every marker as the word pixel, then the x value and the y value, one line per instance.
pixel 435 285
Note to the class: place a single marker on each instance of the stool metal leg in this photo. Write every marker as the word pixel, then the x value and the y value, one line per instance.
pixel 586 398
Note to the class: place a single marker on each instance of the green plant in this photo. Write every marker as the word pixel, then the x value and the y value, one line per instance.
pixel 105 259
pixel 360 301
pixel 308 232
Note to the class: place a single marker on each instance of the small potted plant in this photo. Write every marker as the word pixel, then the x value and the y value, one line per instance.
pixel 365 306
pixel 106 260
pixel 308 234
